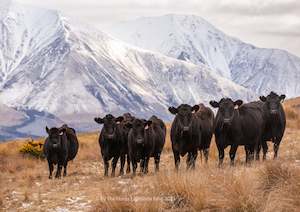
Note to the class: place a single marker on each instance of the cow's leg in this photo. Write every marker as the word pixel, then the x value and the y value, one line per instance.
pixel 206 152
pixel 114 164
pixel 122 164
pixel 65 168
pixel 265 149
pixel 142 165
pixel 134 166
pixel 146 162
pixel 276 148
pixel 156 161
pixel 188 160
pixel 194 157
pixel 258 147
pixel 232 153
pixel 106 166
pixel 50 164
pixel 221 155
pixel 176 159
pixel 247 151
pixel 128 164
pixel 58 171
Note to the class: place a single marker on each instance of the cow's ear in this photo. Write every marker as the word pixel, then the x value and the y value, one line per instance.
pixel 120 119
pixel 62 131
pixel 238 102
pixel 282 97
pixel 214 104
pixel 263 98
pixel 147 124
pixel 173 110
pixel 195 108
pixel 47 130
pixel 99 120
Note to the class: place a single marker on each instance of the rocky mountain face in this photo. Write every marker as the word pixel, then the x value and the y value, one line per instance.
pixel 53 71
pixel 193 39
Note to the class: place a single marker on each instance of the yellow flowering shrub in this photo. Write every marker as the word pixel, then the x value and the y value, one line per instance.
pixel 32 148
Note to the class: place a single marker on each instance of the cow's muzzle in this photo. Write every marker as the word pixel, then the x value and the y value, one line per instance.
pixel 273 112
pixel 186 129
pixel 110 136
pixel 139 141
pixel 227 120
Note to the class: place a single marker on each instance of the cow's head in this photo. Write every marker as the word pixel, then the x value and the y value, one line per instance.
pixel 138 127
pixel 226 108
pixel 184 114
pixel 127 122
pixel 109 125
pixel 54 137
pixel 272 102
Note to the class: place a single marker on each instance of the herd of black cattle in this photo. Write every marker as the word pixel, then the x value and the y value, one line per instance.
pixel 137 140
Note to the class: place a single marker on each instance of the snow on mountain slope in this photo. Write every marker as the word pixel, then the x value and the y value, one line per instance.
pixel 24 123
pixel 48 64
pixel 193 39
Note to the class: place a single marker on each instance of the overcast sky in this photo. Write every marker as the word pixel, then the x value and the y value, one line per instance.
pixel 264 23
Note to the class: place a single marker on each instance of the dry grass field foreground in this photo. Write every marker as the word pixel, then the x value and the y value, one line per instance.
pixel 273 185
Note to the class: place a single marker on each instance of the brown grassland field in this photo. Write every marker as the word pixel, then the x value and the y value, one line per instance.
pixel 273 185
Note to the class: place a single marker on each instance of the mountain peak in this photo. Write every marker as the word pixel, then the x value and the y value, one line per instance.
pixel 192 38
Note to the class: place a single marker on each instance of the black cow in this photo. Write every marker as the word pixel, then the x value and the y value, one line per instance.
pixel 160 130
pixel 60 146
pixel 235 125
pixel 206 117
pixel 146 139
pixel 275 122
pixel 127 121
pixel 140 142
pixel 185 134
pixel 111 142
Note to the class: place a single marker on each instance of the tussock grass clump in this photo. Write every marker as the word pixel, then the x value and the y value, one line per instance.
pixel 273 175
pixel 291 113
pixel 293 117
pixel 283 188
pixel 33 149
pixel 210 189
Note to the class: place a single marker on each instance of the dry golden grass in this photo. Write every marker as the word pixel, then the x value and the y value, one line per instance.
pixel 262 186
pixel 292 110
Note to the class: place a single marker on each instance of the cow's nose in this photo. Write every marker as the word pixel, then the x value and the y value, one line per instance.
pixel 139 140
pixel 226 120
pixel 110 136
pixel 273 111
pixel 186 129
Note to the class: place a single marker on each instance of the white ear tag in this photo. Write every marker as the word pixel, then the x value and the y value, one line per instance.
pixel 146 127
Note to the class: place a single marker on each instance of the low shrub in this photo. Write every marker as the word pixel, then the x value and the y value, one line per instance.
pixel 32 149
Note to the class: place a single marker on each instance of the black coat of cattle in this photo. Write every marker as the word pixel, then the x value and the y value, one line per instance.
pixel 125 127
pixel 185 133
pixel 235 125
pixel 146 139
pixel 60 146
pixel 275 122
pixel 111 142
pixel 206 118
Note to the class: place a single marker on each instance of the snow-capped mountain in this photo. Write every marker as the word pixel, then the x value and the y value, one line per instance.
pixel 50 66
pixel 191 38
